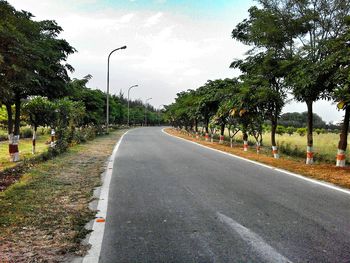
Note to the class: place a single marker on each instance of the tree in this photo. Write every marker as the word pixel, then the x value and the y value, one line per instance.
pixel 280 130
pixel 31 58
pixel 339 62
pixel 301 131
pixel 39 112
pixel 298 120
pixel 210 96
pixel 270 50
pixel 290 130
pixel 318 22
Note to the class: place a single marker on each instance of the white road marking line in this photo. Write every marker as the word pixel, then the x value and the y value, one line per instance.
pixel 98 228
pixel 328 185
pixel 188 190
pixel 258 244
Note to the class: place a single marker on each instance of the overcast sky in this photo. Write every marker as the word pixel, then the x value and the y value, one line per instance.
pixel 172 45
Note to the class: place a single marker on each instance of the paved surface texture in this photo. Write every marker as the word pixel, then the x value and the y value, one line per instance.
pixel 173 201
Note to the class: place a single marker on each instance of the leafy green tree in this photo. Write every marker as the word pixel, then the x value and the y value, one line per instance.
pixel 267 62
pixel 290 130
pixel 339 63
pixel 94 101
pixel 280 130
pixel 39 112
pixel 317 22
pixel 301 131
pixel 31 59
pixel 210 96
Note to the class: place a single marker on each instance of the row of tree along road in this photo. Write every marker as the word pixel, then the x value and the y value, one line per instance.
pixel 300 48
pixel 35 87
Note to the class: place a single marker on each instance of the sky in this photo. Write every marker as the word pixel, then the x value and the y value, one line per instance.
pixel 172 45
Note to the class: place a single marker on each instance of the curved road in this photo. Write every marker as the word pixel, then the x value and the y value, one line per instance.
pixel 174 201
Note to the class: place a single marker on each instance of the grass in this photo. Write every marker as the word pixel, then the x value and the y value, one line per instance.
pixel 325 145
pixel 25 150
pixel 42 217
pixel 322 171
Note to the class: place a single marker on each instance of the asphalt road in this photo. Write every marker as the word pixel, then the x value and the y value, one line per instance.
pixel 174 201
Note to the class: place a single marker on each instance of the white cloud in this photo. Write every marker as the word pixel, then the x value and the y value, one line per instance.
pixel 153 20
pixel 167 52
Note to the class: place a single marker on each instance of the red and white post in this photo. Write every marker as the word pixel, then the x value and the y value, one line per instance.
pixel 275 152
pixel 53 137
pixel 206 137
pixel 221 139
pixel 245 146
pixel 197 135
pixel 309 155
pixel 33 142
pixel 13 147
pixel 341 158
pixel 257 147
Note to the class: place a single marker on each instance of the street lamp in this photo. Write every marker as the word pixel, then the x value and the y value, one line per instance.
pixel 146 111
pixel 128 101
pixel 107 107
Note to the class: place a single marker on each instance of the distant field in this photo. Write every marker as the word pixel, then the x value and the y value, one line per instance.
pixel 324 144
pixel 25 149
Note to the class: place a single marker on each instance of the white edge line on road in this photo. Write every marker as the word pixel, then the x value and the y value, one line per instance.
pixel 256 242
pixel 98 229
pixel 328 185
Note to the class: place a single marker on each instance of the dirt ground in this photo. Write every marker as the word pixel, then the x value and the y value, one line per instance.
pixel 42 217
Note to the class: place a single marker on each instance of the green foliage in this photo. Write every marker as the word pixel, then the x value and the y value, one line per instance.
pixel 301 131
pixel 290 130
pixel 26 132
pixel 39 112
pixel 280 130
pixel 299 120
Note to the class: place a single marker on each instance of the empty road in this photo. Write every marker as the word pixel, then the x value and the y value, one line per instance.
pixel 174 201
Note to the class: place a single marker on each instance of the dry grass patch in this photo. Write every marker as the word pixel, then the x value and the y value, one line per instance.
pixel 325 172
pixel 42 217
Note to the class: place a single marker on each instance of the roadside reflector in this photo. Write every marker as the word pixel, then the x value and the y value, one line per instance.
pixel 100 220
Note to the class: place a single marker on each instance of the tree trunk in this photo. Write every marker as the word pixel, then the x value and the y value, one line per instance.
pixel 222 133
pixel 53 137
pixel 309 150
pixel 9 119
pixel 13 146
pixel 245 141
pixel 206 126
pixel 196 125
pixel 17 115
pixel 34 139
pixel 273 138
pixel 343 141
pixel 206 123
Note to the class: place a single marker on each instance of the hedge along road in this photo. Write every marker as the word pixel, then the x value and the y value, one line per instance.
pixel 175 201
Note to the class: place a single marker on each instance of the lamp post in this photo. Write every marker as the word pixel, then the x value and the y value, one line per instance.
pixel 146 111
pixel 159 114
pixel 107 106
pixel 129 103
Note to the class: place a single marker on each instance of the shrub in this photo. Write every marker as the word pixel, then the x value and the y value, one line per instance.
pixel 301 131
pixel 280 130
pixel 290 130
pixel 26 132
pixel 291 151
pixel 43 130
